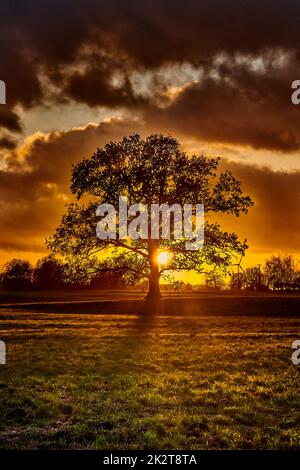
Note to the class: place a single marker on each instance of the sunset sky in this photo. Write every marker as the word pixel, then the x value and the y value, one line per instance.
pixel 216 74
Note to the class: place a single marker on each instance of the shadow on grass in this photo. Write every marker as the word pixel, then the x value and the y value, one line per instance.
pixel 135 339
pixel 265 305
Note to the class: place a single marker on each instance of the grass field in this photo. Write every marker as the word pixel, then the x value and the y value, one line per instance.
pixel 206 372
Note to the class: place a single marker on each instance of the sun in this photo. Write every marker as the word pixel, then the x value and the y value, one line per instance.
pixel 164 257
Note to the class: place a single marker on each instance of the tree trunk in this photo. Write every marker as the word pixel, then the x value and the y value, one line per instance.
pixel 154 291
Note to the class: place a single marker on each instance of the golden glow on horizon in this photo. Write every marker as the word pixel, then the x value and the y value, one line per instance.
pixel 164 257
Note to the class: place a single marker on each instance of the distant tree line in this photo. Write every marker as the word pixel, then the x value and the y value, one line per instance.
pixel 278 273
pixel 49 273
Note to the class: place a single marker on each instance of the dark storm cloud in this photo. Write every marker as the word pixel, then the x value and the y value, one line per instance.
pixel 93 88
pixel 35 187
pixel 7 143
pixel 9 119
pixel 273 223
pixel 154 31
pixel 241 107
pixel 84 47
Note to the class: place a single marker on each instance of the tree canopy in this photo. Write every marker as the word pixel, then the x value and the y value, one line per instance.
pixel 154 170
pixel 17 274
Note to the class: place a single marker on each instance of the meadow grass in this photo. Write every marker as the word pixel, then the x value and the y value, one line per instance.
pixel 193 381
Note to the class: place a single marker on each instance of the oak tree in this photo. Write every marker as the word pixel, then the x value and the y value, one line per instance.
pixel 154 170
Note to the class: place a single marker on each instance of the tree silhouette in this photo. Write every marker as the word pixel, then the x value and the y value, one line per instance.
pixel 280 272
pixel 215 279
pixel 48 273
pixel 150 171
pixel 17 275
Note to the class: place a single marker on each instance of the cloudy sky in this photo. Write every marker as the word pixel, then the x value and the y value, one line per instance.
pixel 215 74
